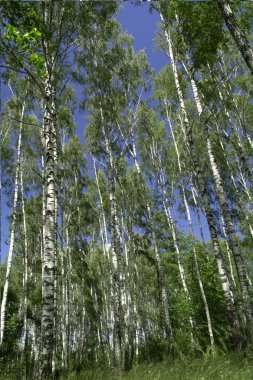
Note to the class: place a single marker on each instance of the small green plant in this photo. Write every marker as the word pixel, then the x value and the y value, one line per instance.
pixel 206 367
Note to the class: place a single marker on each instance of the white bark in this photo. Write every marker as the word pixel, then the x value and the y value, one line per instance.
pixel 25 270
pixel 242 206
pixel 188 214
pixel 163 290
pixel 229 91
pixel 179 257
pixel 200 282
pixel 228 223
pixel 104 234
pixel 243 182
pixel 240 152
pixel 48 280
pixel 55 154
pixel 202 187
pixel 64 325
pixel 106 253
pixel 228 252
pixel 12 228
pixel 116 249
pixel 194 194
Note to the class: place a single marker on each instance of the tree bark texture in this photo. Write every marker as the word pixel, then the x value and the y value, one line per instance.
pixel 48 280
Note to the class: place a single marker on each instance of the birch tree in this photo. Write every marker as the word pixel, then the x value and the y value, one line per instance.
pixel 202 186
pixel 21 107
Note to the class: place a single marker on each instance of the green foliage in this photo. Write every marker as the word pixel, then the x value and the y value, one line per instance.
pixel 202 28
pixel 22 40
pixel 13 35
pixel 200 25
pixel 122 119
pixel 205 367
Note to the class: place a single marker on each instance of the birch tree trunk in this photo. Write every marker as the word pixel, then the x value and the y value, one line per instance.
pixel 228 222
pixel 188 214
pixel 245 188
pixel 228 295
pixel 242 207
pixel 229 92
pixel 200 282
pixel 240 151
pixel 56 279
pixel 161 279
pixel 195 197
pixel 104 237
pixel 179 257
pixel 12 228
pixel 48 280
pixel 233 240
pixel 239 37
pixel 103 224
pixel 25 272
pixel 64 342
pixel 116 253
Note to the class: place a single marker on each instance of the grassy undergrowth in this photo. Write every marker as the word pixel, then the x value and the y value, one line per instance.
pixel 231 367
pixel 207 367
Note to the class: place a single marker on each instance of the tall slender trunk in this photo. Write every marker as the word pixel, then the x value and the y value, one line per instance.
pixel 240 151
pixel 34 349
pixel 48 280
pixel 68 291
pixel 138 291
pixel 195 197
pixel 25 273
pixel 203 191
pixel 239 37
pixel 64 326
pixel 118 334
pixel 188 214
pixel 171 226
pixel 228 252
pixel 117 268
pixel 161 277
pixel 103 219
pixel 200 282
pixel 12 228
pixel 104 238
pixel 228 222
pixel 246 190
pixel 233 240
pixel 126 296
pixel 1 145
pixel 250 227
pixel 56 279
pixel 243 181
pixel 229 91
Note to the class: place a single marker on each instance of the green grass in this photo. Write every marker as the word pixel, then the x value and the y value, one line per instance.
pixel 206 368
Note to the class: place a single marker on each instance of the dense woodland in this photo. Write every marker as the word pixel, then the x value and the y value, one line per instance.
pixel 136 245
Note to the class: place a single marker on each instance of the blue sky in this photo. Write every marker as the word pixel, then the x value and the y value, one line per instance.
pixel 143 26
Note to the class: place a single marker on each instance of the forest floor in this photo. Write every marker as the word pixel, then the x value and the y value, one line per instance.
pixel 207 367
pixel 231 367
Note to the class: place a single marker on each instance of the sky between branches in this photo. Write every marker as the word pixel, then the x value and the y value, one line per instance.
pixel 143 26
